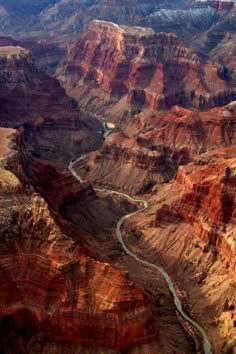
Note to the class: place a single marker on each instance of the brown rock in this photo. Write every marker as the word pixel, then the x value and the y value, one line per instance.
pixel 52 292
pixel 117 70
pixel 29 95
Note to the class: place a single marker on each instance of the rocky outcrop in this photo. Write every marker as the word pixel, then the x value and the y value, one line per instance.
pixel 117 11
pixel 189 229
pixel 37 103
pixel 182 129
pixel 29 95
pixel 209 202
pixel 153 146
pixel 52 292
pixel 126 164
pixel 46 55
pixel 49 283
pixel 118 70
pixel 221 5
pixel 218 44
pixel 64 19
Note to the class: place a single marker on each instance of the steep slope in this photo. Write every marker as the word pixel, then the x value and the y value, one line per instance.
pixel 117 71
pixel 53 295
pixel 28 94
pixel 46 55
pixel 189 229
pixel 152 147
pixel 31 98
pixel 64 19
pixel 218 43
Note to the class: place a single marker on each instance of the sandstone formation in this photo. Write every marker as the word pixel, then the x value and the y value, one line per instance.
pixel 189 229
pixel 46 55
pixel 152 147
pixel 180 128
pixel 218 43
pixel 117 71
pixel 53 295
pixel 64 19
pixel 67 286
pixel 27 94
pixel 124 164
pixel 209 201
pixel 46 277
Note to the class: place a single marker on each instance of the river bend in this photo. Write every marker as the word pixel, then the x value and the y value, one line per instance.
pixel 178 304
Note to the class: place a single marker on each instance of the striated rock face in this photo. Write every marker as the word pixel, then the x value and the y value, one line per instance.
pixel 117 70
pixel 27 94
pixel 210 203
pixel 125 164
pixel 152 147
pixel 46 55
pixel 53 295
pixel 118 11
pixel 182 129
pixel 38 104
pixel 218 43
pixel 189 229
pixel 64 19
pixel 49 283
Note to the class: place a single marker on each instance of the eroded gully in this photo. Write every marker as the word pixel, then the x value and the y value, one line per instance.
pixel 178 304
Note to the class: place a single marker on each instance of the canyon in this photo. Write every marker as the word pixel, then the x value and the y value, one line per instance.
pixel 105 69
pixel 117 159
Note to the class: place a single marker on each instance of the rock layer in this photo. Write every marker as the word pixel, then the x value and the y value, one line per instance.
pixel 59 295
pixel 189 229
pixel 117 70
pixel 209 202
pixel 152 147
pixel 29 95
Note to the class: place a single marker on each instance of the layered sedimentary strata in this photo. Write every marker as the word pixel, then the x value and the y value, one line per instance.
pixel 152 147
pixel 180 128
pixel 209 202
pixel 39 106
pixel 118 70
pixel 46 55
pixel 29 95
pixel 64 19
pixel 117 11
pixel 124 164
pixel 53 295
pixel 218 43
pixel 189 229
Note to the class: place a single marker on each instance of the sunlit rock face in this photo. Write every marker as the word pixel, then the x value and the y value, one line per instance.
pixel 209 202
pixel 118 70
pixel 153 146
pixel 53 295
pixel 189 229
pixel 180 128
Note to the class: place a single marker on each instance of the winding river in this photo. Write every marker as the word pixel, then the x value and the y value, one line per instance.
pixel 206 343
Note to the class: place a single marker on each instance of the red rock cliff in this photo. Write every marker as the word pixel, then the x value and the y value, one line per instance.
pixel 26 94
pixel 130 67
pixel 210 200
pixel 54 296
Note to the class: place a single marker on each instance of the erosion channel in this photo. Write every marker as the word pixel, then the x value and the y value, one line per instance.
pixel 178 304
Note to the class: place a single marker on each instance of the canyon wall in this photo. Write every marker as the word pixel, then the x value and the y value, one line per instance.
pixel 53 294
pixel 30 95
pixel 153 146
pixel 118 71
